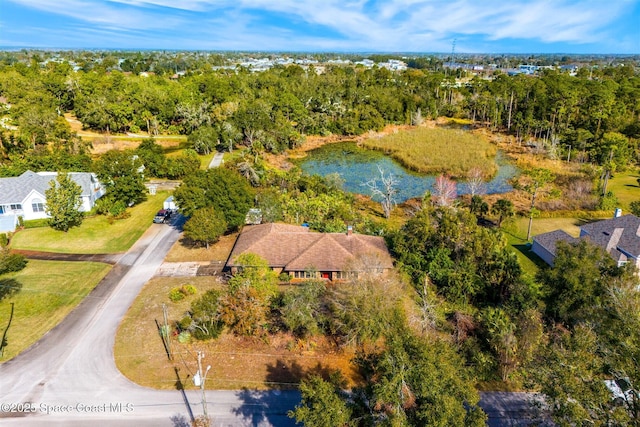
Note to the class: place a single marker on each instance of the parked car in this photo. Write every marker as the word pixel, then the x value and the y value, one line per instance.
pixel 162 216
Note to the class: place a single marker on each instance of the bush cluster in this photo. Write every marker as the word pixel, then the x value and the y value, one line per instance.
pixel 179 293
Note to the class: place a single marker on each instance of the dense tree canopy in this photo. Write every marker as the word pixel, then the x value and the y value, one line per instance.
pixel 121 172
pixel 221 188
pixel 206 225
pixel 591 114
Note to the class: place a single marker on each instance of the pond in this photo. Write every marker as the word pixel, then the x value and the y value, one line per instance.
pixel 357 166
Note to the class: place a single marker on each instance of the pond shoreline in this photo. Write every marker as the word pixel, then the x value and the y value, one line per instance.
pixel 357 165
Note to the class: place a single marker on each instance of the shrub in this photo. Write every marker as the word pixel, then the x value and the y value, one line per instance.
pixel 176 295
pixel 186 323
pixel 184 337
pixel 117 209
pixel 188 289
pixel 204 313
pixel 608 202
pixel 36 223
pixel 634 207
pixel 4 240
pixel 284 277
pixel 10 262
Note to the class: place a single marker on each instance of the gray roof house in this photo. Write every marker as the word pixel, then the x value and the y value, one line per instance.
pixel 544 245
pixel 618 236
pixel 24 195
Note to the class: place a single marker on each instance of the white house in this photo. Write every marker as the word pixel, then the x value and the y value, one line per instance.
pixel 24 196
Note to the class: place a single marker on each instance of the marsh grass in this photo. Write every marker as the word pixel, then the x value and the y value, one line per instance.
pixel 438 150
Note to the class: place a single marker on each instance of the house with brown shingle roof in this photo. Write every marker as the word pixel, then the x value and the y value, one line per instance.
pixel 305 254
pixel 618 236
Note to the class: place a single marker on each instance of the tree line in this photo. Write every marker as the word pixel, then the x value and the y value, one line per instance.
pixel 592 116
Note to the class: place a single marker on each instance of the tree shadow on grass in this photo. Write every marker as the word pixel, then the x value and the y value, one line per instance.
pixel 525 249
pixel 9 287
pixel 270 407
pixel 288 374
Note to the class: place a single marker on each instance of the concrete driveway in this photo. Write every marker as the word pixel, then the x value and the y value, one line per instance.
pixel 69 377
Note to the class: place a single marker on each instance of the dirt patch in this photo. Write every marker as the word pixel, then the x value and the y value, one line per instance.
pixel 280 363
pixel 183 251
pixel 103 142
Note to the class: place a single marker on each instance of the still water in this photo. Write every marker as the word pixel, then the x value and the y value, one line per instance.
pixel 357 166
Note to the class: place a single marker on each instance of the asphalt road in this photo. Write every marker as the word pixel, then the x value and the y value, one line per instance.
pixel 69 377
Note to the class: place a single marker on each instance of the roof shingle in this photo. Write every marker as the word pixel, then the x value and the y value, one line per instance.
pixel 296 248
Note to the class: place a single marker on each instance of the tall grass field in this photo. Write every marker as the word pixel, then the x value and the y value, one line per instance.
pixel 438 150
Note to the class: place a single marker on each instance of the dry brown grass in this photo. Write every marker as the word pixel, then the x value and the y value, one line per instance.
pixel 102 143
pixel 437 150
pixel 182 251
pixel 279 362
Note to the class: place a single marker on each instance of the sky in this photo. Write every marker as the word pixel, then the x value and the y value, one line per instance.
pixel 472 26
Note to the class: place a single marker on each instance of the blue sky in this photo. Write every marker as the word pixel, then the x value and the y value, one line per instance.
pixel 482 26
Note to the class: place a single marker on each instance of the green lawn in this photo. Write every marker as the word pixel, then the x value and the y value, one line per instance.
pixel 95 235
pixel 516 233
pixel 625 186
pixel 41 300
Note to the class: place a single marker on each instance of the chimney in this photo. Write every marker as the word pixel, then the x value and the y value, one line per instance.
pixel 349 230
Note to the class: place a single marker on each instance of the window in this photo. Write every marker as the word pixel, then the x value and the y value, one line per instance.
pixel 308 274
pixel 37 205
pixel 16 207
pixel 344 275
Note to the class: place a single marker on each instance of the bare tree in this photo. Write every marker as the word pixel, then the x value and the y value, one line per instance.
pixel 425 318
pixel 387 190
pixel 248 170
pixel 475 182
pixel 444 191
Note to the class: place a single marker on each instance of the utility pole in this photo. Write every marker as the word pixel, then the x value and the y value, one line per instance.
pixel 165 334
pixel 199 380
pixel 453 50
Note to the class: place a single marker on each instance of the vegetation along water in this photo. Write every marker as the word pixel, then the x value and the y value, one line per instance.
pixel 357 165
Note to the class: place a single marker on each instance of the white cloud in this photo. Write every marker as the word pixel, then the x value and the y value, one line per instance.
pixel 101 13
pixel 401 25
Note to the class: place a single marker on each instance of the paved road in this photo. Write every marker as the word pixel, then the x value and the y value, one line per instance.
pixel 69 377
pixel 71 373
pixel 217 160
